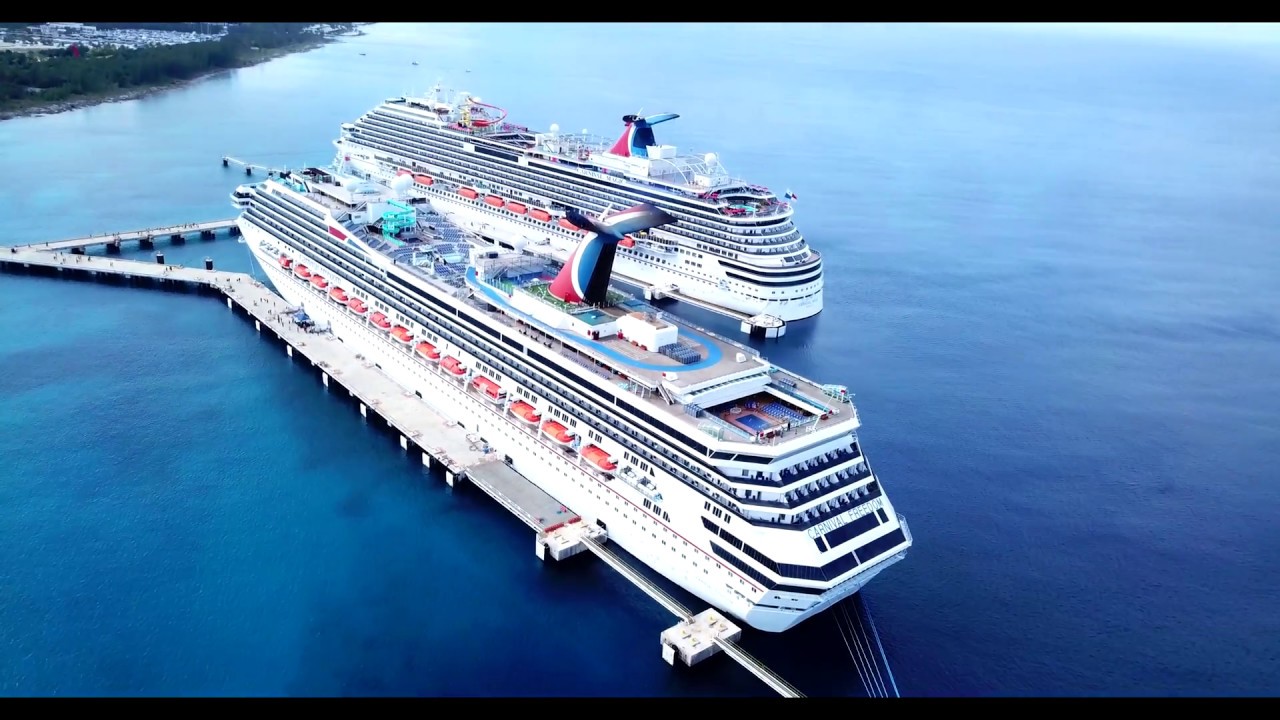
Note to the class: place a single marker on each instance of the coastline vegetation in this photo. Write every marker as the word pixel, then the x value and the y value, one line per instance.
pixel 59 79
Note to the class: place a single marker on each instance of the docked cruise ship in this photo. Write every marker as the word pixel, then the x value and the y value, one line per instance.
pixel 742 482
pixel 731 244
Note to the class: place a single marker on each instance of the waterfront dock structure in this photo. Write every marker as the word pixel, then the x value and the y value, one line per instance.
pixel 145 238
pixel 441 441
pixel 228 161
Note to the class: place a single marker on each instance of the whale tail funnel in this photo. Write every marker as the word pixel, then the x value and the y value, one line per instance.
pixel 585 275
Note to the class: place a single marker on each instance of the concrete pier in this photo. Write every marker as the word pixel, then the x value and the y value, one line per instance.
pixel 695 640
pixel 177 234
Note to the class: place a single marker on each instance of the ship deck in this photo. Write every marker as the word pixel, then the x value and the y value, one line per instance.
pixel 616 360
pixel 611 358
pixel 719 358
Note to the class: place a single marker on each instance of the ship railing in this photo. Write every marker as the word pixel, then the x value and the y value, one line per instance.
pixel 809 402
pixel 721 422
pixel 675 320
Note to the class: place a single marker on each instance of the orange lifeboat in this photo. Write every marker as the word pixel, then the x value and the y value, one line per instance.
pixel 380 320
pixel 564 223
pixel 402 334
pixel 627 241
pixel 517 208
pixel 302 272
pixel 319 281
pixel 599 459
pixel 338 294
pixel 402 171
pixel 526 412
pixel 494 201
pixel 285 262
pixel 468 193
pixel 558 433
pixel 423 179
pixel 428 351
pixel 454 366
pixel 357 306
pixel 540 214
pixel 490 388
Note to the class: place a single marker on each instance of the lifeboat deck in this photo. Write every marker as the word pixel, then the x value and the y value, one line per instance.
pixel 524 499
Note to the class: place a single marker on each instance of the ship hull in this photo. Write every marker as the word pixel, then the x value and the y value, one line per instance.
pixel 541 463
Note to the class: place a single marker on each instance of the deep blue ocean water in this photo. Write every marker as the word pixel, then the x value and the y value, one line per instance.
pixel 1053 283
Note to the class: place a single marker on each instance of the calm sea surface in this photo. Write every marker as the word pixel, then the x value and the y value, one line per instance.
pixel 1053 282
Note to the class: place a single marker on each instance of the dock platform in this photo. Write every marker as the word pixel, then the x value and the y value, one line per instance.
pixel 145 238
pixel 524 499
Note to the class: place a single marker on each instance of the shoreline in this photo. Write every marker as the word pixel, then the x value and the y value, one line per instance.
pixel 137 93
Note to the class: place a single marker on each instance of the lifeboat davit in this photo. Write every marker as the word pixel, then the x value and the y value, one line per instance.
pixel 599 459
pixel 517 208
pixel 338 294
pixel 380 320
pixel 319 281
pixel 540 214
pixel 402 334
pixel 423 179
pixel 285 262
pixel 558 433
pixel 454 366
pixel 490 388
pixel 627 241
pixel 526 412
pixel 428 351
pixel 302 272
pixel 494 201
pixel 357 306
pixel 468 193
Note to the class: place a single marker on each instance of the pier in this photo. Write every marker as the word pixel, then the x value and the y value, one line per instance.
pixel 145 238
pixel 441 442
pixel 228 161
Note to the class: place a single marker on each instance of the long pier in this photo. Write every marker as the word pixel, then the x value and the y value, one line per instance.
pixel 419 427
pixel 228 161
pixel 145 238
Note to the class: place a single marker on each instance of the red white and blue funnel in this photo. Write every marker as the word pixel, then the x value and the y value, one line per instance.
pixel 585 275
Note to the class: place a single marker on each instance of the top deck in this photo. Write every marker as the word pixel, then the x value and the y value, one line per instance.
pixel 697 174
pixel 719 386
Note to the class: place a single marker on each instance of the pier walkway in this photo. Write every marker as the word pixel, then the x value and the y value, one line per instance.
pixel 145 237
pixel 695 637
pixel 441 440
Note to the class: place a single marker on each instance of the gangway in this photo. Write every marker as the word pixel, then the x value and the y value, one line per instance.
pixel 228 161
pixel 695 637
pixel 757 668
pixel 639 580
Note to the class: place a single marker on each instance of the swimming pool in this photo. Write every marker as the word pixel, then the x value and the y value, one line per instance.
pixel 754 422
pixel 593 317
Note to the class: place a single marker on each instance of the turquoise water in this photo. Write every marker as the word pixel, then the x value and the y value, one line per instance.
pixel 1051 284
pixel 593 317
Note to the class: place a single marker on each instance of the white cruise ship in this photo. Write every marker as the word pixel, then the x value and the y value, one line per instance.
pixel 742 482
pixel 732 244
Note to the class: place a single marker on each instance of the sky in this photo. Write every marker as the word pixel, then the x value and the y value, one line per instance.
pixel 1253 34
